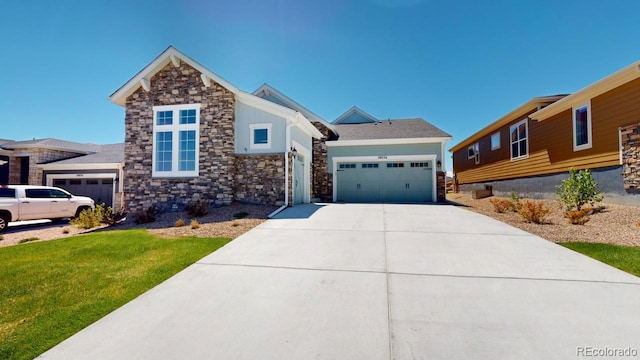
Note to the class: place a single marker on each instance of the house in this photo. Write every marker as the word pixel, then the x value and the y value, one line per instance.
pixel 82 169
pixel 190 134
pixel 531 149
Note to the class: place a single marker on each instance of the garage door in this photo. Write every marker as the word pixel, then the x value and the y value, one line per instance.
pixel 100 190
pixel 399 181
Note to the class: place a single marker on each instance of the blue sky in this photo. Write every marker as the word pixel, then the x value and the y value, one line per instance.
pixel 458 64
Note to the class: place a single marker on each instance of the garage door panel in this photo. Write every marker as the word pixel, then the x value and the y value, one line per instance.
pixel 100 190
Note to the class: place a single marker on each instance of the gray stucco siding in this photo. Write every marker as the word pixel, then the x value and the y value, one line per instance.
pixel 246 115
pixel 301 137
pixel 384 150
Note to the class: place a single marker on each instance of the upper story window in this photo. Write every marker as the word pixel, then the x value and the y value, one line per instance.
pixel 176 134
pixel 473 152
pixel 260 136
pixel 519 136
pixel 495 141
pixel 582 127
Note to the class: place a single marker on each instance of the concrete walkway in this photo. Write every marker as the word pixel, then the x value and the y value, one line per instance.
pixel 372 282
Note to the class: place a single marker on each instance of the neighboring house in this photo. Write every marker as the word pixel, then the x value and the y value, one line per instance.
pixel 189 134
pixel 531 149
pixel 82 169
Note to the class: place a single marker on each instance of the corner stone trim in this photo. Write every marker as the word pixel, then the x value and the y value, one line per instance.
pixel 630 136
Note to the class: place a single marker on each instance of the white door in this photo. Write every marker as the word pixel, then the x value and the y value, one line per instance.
pixel 298 180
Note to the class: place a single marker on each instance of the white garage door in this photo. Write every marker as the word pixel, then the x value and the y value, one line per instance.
pixel 398 181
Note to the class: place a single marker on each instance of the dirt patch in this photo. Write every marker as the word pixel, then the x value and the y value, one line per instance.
pixel 615 224
pixel 219 222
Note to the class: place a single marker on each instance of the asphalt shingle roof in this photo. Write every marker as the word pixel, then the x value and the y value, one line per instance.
pixel 390 129
pixel 105 154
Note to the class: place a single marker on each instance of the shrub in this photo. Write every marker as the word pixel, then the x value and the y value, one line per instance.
pixel 179 223
pixel 146 216
pixel 195 224
pixel 501 205
pixel 111 217
pixel 240 215
pixel 235 224
pixel 533 212
pixel 579 189
pixel 88 218
pixel 197 209
pixel 578 217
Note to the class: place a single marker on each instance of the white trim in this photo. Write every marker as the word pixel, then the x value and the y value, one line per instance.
pixel 402 141
pixel 388 158
pixel 306 198
pixel 499 141
pixel 175 128
pixel 476 149
pixel 516 125
pixel 589 143
pixel 253 128
pixel 94 166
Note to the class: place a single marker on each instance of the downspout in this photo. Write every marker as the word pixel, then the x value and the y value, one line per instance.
pixel 286 170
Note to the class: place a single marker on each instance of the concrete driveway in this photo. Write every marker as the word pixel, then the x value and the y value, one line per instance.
pixel 356 281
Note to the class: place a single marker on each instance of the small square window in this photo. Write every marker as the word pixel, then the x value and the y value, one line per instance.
pixel 260 136
pixel 164 117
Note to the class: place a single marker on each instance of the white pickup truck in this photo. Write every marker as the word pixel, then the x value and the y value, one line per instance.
pixel 28 202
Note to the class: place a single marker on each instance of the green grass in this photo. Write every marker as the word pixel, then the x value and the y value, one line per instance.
pixel 626 258
pixel 51 290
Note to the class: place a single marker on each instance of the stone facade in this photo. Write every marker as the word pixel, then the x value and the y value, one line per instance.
pixel 36 156
pixel 171 86
pixel 260 179
pixel 630 136
pixel 322 182
pixel 441 186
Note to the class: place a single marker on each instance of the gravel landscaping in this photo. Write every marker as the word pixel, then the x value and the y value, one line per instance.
pixel 615 224
pixel 219 222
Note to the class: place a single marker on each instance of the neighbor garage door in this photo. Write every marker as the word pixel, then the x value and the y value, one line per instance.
pixel 399 181
pixel 100 190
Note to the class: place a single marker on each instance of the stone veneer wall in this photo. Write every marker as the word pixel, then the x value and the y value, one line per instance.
pixel 36 156
pixel 322 182
pixel 441 186
pixel 260 179
pixel 630 136
pixel 180 85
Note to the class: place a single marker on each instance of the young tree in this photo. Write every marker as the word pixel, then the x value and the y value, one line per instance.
pixel 579 189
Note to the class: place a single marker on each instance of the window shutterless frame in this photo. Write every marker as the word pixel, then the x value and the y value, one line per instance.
pixel 176 140
pixel 582 134
pixel 519 140
pixel 260 136
pixel 495 141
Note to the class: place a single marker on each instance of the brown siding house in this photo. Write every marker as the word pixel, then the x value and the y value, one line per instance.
pixel 596 128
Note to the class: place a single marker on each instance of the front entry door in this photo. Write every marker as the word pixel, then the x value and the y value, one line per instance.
pixel 298 180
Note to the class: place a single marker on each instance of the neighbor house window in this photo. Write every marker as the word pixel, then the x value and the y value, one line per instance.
pixel 473 152
pixel 176 134
pixel 518 135
pixel 582 127
pixel 260 136
pixel 495 141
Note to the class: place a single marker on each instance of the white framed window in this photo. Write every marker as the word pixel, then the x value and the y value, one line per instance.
pixel 582 127
pixel 495 141
pixel 473 152
pixel 519 139
pixel 176 139
pixel 260 136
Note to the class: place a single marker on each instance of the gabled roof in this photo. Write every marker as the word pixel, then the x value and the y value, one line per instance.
pixel 355 112
pixel 268 92
pixel 511 116
pixel 51 144
pixel 390 129
pixel 172 55
pixel 612 81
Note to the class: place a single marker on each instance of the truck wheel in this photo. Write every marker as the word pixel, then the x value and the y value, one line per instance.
pixel 4 222
pixel 81 209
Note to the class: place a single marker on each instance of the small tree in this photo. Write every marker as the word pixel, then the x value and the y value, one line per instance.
pixel 579 189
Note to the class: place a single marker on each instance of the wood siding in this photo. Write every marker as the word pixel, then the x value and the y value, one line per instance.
pixel 551 141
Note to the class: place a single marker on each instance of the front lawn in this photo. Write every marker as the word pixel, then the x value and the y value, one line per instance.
pixel 51 290
pixel 626 258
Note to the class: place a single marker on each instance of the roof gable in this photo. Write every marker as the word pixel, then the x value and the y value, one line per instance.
pixel 173 56
pixel 355 115
pixel 269 93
